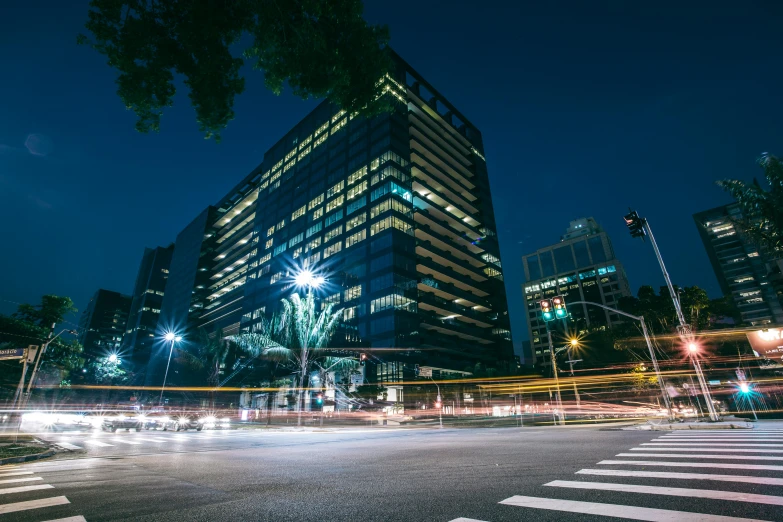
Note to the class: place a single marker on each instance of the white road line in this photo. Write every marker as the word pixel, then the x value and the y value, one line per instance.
pixel 14 473
pixel 68 445
pixel 677 456
pixel 462 519
pixel 719 465
pixel 152 439
pixel 700 448
pixel 14 481
pixel 618 511
pixel 691 444
pixel 674 492
pixel 97 443
pixel 726 439
pixel 127 441
pixel 78 518
pixel 684 476
pixel 22 489
pixel 33 504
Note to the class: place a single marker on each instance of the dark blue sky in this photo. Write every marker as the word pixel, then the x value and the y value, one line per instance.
pixel 584 111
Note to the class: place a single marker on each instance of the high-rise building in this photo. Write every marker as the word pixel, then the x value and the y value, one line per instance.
pixel 743 270
pixel 395 211
pixel 102 325
pixel 581 267
pixel 142 328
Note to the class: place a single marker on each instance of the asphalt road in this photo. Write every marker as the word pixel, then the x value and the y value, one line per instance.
pixel 493 475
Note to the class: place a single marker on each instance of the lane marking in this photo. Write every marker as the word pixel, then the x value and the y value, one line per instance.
pixel 674 492
pixel 733 439
pixel 152 439
pixel 618 511
pixel 97 443
pixel 26 479
pixel 462 519
pixel 699 448
pixel 127 442
pixel 22 489
pixel 68 445
pixel 33 504
pixel 719 465
pixel 15 473
pixel 677 456
pixel 684 476
pixel 77 518
pixel 691 444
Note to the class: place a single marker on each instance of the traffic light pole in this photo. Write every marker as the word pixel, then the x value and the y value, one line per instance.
pixel 653 358
pixel 684 329
pixel 561 413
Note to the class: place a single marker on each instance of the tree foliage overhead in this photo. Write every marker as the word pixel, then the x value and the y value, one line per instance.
pixel 321 49
pixel 762 210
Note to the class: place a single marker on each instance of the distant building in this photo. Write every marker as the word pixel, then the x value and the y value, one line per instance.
pixel 142 328
pixel 743 270
pixel 102 325
pixel 581 267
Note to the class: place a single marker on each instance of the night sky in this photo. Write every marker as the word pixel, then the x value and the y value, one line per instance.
pixel 584 112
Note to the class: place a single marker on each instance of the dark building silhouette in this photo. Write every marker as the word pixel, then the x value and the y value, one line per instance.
pixel 103 323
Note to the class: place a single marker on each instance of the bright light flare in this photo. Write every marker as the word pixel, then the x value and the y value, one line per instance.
pixel 169 336
pixel 693 347
pixel 113 358
pixel 744 388
pixel 307 278
pixel 574 342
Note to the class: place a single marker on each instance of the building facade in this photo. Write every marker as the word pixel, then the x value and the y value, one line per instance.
pixel 394 211
pixel 103 323
pixel 581 267
pixel 142 330
pixel 742 269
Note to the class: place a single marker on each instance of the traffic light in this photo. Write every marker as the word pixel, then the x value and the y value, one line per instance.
pixel 438 402
pixel 362 358
pixel 319 399
pixel 635 224
pixel 546 310
pixel 560 307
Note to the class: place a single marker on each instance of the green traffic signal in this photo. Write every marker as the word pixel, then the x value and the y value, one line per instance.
pixel 561 313
pixel 546 310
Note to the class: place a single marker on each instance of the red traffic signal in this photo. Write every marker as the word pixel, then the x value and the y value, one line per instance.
pixel 546 309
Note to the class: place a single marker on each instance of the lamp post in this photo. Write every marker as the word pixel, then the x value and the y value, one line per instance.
pixel 305 278
pixel 41 353
pixel 438 403
pixel 172 338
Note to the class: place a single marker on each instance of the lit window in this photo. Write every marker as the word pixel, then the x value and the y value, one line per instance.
pixel 356 176
pixel 299 212
pixel 314 229
pixel 269 242
pixel 315 202
pixel 358 189
pixel 270 231
pixel 317 213
pixel 333 249
pixel 355 238
pixel 333 233
pixel 353 292
pixel 280 225
pixel 275 278
pixel 333 204
pixel 355 222
pixel 335 189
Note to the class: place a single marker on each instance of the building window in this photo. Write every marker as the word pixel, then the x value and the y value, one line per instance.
pixel 268 243
pixel 315 202
pixel 319 212
pixel 296 253
pixel 356 176
pixel 355 205
pixel 389 204
pixel 296 239
pixel 313 244
pixel 275 278
pixel 353 292
pixel 280 225
pixel 314 229
pixel 355 222
pixel 336 202
pixel 333 249
pixel 396 301
pixel 299 212
pixel 335 189
pixel 389 222
pixel 333 233
pixel 333 218
pixel 355 238
pixel 358 189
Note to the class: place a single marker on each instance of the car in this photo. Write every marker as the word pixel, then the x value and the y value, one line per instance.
pixel 182 422
pixel 213 422
pixel 156 421
pixel 122 422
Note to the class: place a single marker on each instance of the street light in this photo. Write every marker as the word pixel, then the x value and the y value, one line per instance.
pixel 172 338
pixel 306 278
pixel 113 358
pixel 745 389
pixel 693 350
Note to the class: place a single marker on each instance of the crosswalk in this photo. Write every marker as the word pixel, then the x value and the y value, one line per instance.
pixel 21 491
pixel 98 439
pixel 698 465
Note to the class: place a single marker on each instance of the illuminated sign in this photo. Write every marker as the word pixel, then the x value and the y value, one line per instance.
pixel 768 344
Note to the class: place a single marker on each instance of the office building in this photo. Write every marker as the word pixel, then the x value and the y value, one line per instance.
pixel 743 270
pixel 394 211
pixel 102 324
pixel 142 328
pixel 581 267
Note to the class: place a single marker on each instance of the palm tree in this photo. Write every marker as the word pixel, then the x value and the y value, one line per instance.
pixel 762 210
pixel 212 353
pixel 298 337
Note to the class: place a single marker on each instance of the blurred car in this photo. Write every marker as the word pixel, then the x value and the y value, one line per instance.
pixel 156 421
pixel 122 422
pixel 182 422
pixel 212 422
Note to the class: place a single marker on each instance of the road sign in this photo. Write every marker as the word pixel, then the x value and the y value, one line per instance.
pixel 12 353
pixel 425 372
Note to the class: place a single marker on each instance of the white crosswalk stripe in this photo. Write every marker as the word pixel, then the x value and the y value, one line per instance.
pixel 124 441
pixel 18 480
pixel 97 443
pixel 68 445
pixel 69 519
pixel 15 473
pixel 20 485
pixel 703 449
pixel 22 489
pixel 32 504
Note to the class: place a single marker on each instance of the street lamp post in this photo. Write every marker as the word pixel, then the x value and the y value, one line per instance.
pixel 172 338
pixel 653 358
pixel 439 403
pixel 561 413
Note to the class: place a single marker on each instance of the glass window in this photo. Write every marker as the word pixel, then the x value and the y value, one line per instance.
pixel 564 258
pixel 533 267
pixel 580 250
pixel 596 249
pixel 547 265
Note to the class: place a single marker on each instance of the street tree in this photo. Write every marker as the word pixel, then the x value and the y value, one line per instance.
pixel 321 49
pixel 762 210
pixel 297 337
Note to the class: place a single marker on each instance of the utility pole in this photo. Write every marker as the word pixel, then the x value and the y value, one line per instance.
pixel 561 413
pixel 639 227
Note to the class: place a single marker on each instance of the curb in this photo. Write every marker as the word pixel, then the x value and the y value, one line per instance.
pixel 28 458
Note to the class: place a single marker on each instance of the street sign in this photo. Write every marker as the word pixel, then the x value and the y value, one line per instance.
pixel 12 353
pixel 714 383
pixel 425 372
